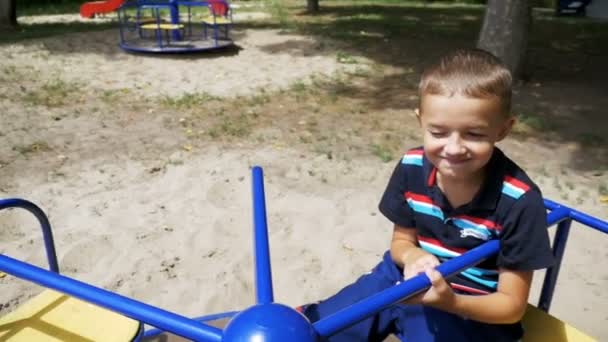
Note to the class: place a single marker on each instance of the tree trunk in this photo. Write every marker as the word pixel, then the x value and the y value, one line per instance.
pixel 312 6
pixel 505 32
pixel 8 14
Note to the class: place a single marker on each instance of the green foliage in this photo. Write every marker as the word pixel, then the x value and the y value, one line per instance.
pixel 25 31
pixel 383 152
pixel 55 93
pixel 188 100
pixel 279 12
pixel 30 7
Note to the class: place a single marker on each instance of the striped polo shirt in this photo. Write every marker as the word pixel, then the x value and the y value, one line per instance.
pixel 508 207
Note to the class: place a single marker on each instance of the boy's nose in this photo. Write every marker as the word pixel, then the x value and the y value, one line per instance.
pixel 454 146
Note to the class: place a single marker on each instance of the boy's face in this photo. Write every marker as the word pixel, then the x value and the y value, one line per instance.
pixel 460 133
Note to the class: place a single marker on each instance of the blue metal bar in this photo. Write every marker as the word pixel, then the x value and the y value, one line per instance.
pixel 581 217
pixel 562 215
pixel 212 317
pixel 551 205
pixel 559 246
pixel 174 18
pixel 589 221
pixel 557 215
pixel 166 320
pixel 47 233
pixel 263 273
pixel 371 305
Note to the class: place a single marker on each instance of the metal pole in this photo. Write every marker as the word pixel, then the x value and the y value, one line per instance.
pixel 47 233
pixel 581 217
pixel 174 8
pixel 159 318
pixel 263 273
pixel 559 245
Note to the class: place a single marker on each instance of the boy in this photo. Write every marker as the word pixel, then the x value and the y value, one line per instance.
pixel 453 194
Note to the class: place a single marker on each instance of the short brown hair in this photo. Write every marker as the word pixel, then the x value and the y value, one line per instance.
pixel 472 73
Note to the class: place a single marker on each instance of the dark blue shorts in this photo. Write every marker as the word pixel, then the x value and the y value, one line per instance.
pixel 412 323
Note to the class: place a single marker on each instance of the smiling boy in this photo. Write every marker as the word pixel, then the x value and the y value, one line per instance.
pixel 447 197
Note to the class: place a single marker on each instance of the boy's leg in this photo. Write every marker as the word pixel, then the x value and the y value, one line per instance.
pixel 374 328
pixel 425 324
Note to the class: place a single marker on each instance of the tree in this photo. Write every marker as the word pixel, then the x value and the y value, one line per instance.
pixel 505 32
pixel 8 14
pixel 312 6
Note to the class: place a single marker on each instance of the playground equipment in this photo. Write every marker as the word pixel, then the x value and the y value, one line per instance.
pixel 90 9
pixel 168 26
pixel 69 319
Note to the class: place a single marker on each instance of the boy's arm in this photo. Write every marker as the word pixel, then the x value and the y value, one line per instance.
pixel 507 305
pixel 406 253
pixel 404 246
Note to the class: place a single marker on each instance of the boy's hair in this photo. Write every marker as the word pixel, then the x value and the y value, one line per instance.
pixel 471 73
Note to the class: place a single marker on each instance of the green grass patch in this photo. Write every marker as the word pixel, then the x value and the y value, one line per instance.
pixel 52 94
pixel 38 146
pixel 30 31
pixel 237 127
pixel 383 152
pixel 34 7
pixel 188 100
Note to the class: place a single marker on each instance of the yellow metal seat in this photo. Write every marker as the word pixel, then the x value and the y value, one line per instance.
pixel 539 326
pixel 218 20
pixel 162 26
pixel 52 317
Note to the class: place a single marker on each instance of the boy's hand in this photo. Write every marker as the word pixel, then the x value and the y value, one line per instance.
pixel 440 294
pixel 415 262
pixel 418 261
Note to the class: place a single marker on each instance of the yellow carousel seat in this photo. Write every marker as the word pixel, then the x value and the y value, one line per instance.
pixel 165 26
pixel 539 326
pixel 52 316
pixel 217 20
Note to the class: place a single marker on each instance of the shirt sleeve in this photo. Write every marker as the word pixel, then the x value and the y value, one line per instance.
pixel 393 204
pixel 524 239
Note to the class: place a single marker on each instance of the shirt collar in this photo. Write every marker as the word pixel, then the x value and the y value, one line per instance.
pixel 490 191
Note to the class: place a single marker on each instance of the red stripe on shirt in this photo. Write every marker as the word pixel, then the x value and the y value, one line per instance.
pixel 468 289
pixel 517 183
pixel 438 243
pixel 432 177
pixel 414 152
pixel 419 198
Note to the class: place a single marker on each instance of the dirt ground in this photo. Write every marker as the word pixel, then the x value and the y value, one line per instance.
pixel 125 151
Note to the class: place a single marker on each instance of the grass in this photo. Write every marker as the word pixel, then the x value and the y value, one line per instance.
pixel 31 31
pixel 188 100
pixel 236 127
pixel 29 7
pixel 389 35
pixel 383 152
pixel 38 146
pixel 54 93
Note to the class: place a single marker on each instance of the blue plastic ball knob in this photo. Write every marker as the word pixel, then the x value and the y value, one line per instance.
pixel 269 323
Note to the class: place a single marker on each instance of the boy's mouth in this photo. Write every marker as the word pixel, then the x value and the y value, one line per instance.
pixel 456 161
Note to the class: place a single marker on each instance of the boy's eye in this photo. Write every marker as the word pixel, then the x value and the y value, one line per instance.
pixel 438 134
pixel 476 135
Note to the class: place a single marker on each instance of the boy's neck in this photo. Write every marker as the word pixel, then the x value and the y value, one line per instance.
pixel 460 191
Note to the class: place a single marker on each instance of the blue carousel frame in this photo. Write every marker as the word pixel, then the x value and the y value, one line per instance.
pixel 268 320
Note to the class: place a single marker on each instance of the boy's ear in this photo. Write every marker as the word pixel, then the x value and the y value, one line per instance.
pixel 506 129
pixel 417 112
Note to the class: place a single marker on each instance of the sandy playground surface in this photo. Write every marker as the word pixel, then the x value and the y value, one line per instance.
pixel 137 211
